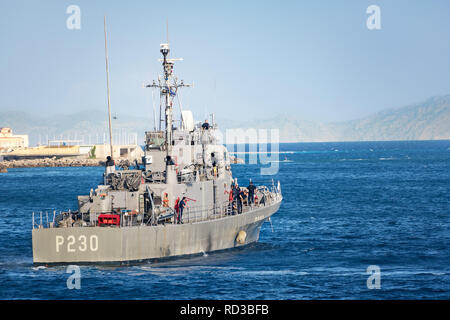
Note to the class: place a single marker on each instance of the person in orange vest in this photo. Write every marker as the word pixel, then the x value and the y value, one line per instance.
pixel 166 200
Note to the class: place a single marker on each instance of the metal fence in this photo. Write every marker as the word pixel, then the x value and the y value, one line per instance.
pixel 190 214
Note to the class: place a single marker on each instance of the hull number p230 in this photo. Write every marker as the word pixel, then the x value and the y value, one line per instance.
pixel 72 244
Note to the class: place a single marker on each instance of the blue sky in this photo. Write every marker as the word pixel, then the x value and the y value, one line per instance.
pixel 314 60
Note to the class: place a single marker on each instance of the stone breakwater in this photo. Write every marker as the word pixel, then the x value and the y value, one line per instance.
pixel 50 162
pixel 64 162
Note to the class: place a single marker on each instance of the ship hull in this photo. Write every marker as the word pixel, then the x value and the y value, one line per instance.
pixel 140 243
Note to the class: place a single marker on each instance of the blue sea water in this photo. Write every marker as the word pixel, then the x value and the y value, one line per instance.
pixel 346 206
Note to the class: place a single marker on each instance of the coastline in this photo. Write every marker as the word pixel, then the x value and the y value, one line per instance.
pixel 50 162
pixel 64 162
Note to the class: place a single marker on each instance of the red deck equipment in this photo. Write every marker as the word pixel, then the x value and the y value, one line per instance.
pixel 108 219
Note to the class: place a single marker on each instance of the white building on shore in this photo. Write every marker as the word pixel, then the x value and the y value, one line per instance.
pixel 9 141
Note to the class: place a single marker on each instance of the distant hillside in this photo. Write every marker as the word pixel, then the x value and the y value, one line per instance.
pixel 428 120
pixel 290 128
pixel 90 126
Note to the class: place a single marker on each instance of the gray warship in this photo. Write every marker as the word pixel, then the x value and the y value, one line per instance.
pixel 174 202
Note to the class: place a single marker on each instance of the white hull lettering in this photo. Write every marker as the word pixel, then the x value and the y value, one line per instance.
pixel 74 245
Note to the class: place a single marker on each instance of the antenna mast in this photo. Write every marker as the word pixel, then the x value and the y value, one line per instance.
pixel 107 87
pixel 167 30
pixel 168 85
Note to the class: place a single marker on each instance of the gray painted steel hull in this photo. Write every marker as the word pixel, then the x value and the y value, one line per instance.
pixel 137 243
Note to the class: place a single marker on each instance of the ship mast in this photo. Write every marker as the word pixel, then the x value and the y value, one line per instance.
pixel 168 87
pixel 167 92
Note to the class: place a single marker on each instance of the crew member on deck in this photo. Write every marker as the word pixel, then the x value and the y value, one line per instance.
pixel 240 200
pixel 169 161
pixel 245 197
pixel 251 193
pixel 214 164
pixel 235 194
pixel 110 166
pixel 205 125
pixel 177 210
pixel 181 206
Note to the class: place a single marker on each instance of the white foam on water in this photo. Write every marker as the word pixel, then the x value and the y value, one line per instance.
pixel 270 273
pixel 39 268
pixel 263 152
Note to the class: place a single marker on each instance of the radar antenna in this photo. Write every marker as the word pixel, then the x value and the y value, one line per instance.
pixel 168 86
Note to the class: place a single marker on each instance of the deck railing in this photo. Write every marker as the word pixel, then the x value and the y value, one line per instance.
pixel 191 214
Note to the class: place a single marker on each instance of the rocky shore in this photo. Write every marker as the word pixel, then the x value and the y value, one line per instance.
pixel 64 162
pixel 50 162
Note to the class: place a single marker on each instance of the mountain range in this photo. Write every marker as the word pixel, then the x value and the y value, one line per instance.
pixel 428 120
